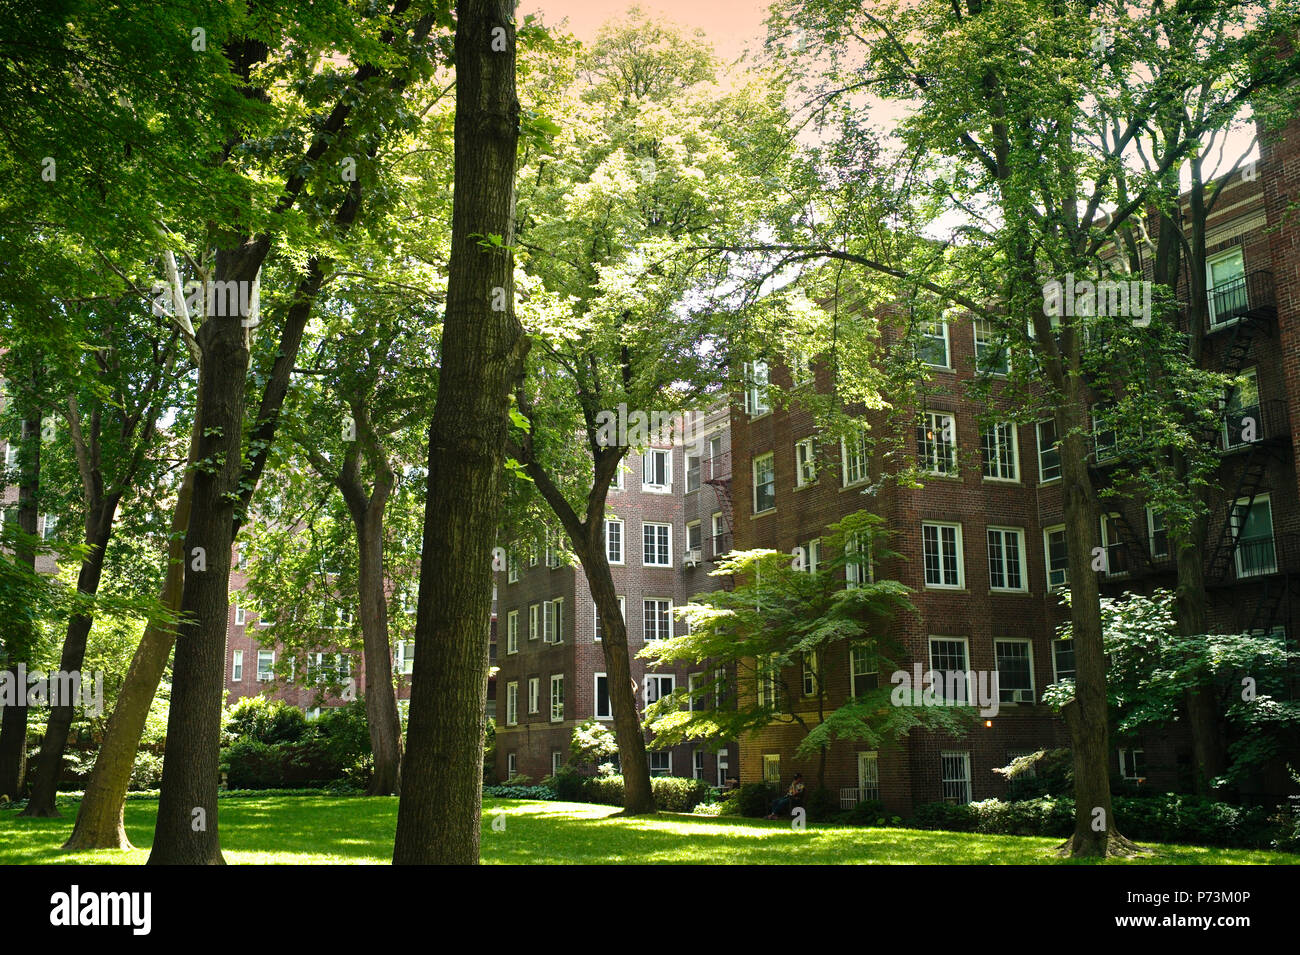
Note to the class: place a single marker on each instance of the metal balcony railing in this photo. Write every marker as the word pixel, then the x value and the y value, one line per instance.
pixel 717 545
pixel 1266 421
pixel 1249 296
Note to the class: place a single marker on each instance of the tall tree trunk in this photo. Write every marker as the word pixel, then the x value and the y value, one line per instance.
pixel 13 728
pixel 186 831
pixel 438 817
pixel 100 823
pixel 49 764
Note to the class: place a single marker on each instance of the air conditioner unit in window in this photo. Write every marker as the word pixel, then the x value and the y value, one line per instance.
pixel 1024 696
pixel 692 557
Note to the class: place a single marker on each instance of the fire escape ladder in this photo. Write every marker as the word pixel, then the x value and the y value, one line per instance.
pixel 1254 468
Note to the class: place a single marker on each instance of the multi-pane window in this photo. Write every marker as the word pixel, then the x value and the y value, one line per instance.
pixel 805 465
pixel 863 669
pixel 603 709
pixel 614 540
pixel 265 665
pixel 622 610
pixel 941 553
pixel 719 528
pixel 695 540
pixel 1049 455
pixel 616 483
pixel 240 616
pixel 557 760
pixel 1241 424
pixel 809 673
pixel 557 697
pixel 661 763
pixel 405 656
pixel 858 569
pixel 692 473
pixel 512 764
pixel 1105 438
pixel 717 467
pixel 1015 671
pixel 812 555
pixel 868 777
pixel 767 674
pixel 512 567
pixel 1225 277
pixel 853 457
pixel 772 768
pixel 534 693
pixel 657 618
pixel 1058 561
pixel 695 698
pixel 1006 559
pixel 1157 534
pixel 1063 659
pixel 764 482
pixel 932 343
pixel 948 660
pixel 1252 527
pixel 757 381
pixel 1132 764
pixel 936 443
pixel 237 667
pixel 512 704
pixel 657 686
pixel 656 545
pixel 989 358
pixel 800 369
pixel 658 470
pixel 956 777
pixel 532 621
pixel 1001 451
pixel 697 764
pixel 49 524
pixel 557 619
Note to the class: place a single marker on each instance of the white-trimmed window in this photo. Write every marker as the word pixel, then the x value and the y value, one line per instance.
pixel 868 776
pixel 657 468
pixel 657 686
pixel 1015 660
pixel 657 545
pixel 532 554
pixel 936 443
pixel 864 669
pixel 989 358
pixel 809 675
pixel 534 693
pixel 405 656
pixel 764 482
pixel 265 665
pixel 694 541
pixel 11 455
pixel 616 482
pixel 805 463
pixel 853 458
pixel 942 555
pixel 661 762
pixel 603 708
pixel 622 610
pixel 1001 448
pixel 722 767
pixel 657 619
pixel 1157 534
pixel 772 768
pixel 1225 279
pixel 697 764
pixel 1105 439
pixel 692 473
pixel 512 632
pixel 1058 559
pixel 557 697
pixel 694 699
pixel 557 760
pixel 240 615
pixel 1241 422
pixel 557 619
pixel 1049 454
pixel 1007 559
pixel 512 567
pixel 948 660
pixel 49 524
pixel 614 540
pixel 237 667
pixel 932 343
pixel 532 621
pixel 767 672
pixel 512 764
pixel 1252 528
pixel 757 382
pixel 859 570
pixel 813 555
pixel 956 777
pixel 1132 764
pixel 1062 660
pixel 801 370
pixel 719 527
pixel 512 705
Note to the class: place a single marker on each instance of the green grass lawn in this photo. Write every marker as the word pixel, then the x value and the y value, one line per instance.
pixel 304 830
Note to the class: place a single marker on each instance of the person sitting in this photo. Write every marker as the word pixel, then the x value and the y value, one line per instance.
pixel 793 796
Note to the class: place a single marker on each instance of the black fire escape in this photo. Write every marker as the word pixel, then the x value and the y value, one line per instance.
pixel 718 469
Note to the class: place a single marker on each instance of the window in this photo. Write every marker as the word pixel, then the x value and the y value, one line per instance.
pixel 1113 546
pixel 1252 529
pixel 1015 671
pixel 800 369
pixel 405 656
pixel 661 763
pixel 1158 535
pixel 48 525
pixel 722 767
pixel 697 764
pixel 989 358
pixel 764 482
pixel 1006 553
pixel 512 764
pixel 868 777
pixel 772 768
pixel 240 615
pixel 811 681
pixel 813 555
pixel 1049 455
pixel 692 473
pixel 1225 279
pixel 603 710
pixel 512 567
pixel 766 679
pixel 237 667
pixel 694 541
pixel 1241 421
pixel 936 443
pixel 948 660
pixel 757 381
pixel 719 528
pixel 805 465
pixel 859 569
pixel 657 686
pixel 614 540
pixel 1132 764
pixel 532 622
pixel 1105 439
pixel 941 552
pixel 863 669
pixel 557 760
pixel 345 666
pixel 622 610
pixel 616 484
pixel 956 777
pixel 557 619
pixel 512 704
pixel 695 699
pixel 1063 659
pixel 532 554
pixel 1058 561
pixel 553 558
pixel 656 545
pixel 716 464
pixel 932 343
pixel 265 665
pixel 512 632
pixel 1001 452
pixel 657 619
pixel 11 455
pixel 557 697
pixel 853 458
pixel 534 693
pixel 657 467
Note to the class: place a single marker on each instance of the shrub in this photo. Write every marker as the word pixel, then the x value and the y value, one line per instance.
pixel 942 815
pixel 822 805
pixel 671 793
pixel 869 812
pixel 250 764
pixel 1048 772
pixel 752 799
pixel 708 809
pixel 266 721
pixel 518 792
pixel 147 771
pixel 568 784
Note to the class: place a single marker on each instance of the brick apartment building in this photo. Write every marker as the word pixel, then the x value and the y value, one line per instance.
pixel 667 519
pixel 981 544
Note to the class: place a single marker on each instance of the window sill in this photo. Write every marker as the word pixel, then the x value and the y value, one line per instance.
pixel 1044 482
pixel 655 489
pixel 944 589
pixel 1008 592
pixel 854 486
pixel 1015 482
pixel 807 484
pixel 656 566
pixel 770 510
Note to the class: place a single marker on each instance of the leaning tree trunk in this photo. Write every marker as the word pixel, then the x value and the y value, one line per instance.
pixel 438 817
pixel 1192 616
pixel 49 764
pixel 186 831
pixel 13 728
pixel 100 818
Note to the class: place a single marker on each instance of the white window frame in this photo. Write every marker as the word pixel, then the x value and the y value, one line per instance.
pixel 873 658
pixel 868 775
pixel 1151 535
pixel 405 660
pixel 1057 677
pixel 534 693
pixel 697 764
pixel 961 557
pixel 270 666
pixel 512 703
pixel 1231 442
pixel 669 535
pixel 1126 768
pixel 693 485
pixel 924 330
pixel 1033 684
pixel 237 667
pixel 557 711
pixel 557 620
pixel 654 754
pixel 986 342
pixel 941 683
pixel 622 609
pixel 512 567
pixel 858 574
pixel 647 471
pixel 1047 557
pixel 512 764
pixel 948 760
pixel 1022 564
pixel 533 627
pixel 1262 570
pixel 1237 252
pixel 241 616
pixel 758 382
pixel 854 466
pixel 1054 449
pixel 770 458
pixel 767 675
pixel 595 698
pixel 805 462
pixel 622 542
pixel 808 676
pixel 693 681
pixel 937 455
pixel 512 632
pixel 645 619
pixel 1000 451
pixel 658 680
